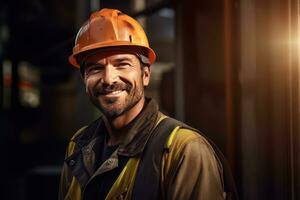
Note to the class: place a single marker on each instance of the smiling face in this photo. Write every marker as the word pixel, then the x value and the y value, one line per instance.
pixel 115 83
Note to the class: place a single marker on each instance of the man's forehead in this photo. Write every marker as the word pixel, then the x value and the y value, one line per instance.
pixel 113 56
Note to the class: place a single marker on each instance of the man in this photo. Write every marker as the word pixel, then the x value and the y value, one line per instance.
pixel 117 156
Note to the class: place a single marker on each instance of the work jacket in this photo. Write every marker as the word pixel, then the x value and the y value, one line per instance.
pixel 189 169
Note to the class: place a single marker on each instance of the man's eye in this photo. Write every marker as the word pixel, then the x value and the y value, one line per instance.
pixel 124 64
pixel 93 69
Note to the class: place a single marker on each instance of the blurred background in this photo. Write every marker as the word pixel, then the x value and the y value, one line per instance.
pixel 227 67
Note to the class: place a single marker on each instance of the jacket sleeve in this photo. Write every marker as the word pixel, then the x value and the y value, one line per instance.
pixel 191 169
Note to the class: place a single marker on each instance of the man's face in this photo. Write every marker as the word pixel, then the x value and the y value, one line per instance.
pixel 115 83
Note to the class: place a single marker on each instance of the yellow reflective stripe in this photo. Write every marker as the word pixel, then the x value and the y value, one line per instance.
pixel 171 137
pixel 78 132
pixel 161 118
pixel 71 148
pixel 122 188
pixel 74 192
pixel 72 144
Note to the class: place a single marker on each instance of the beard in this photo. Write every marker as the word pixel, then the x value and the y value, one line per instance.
pixel 115 107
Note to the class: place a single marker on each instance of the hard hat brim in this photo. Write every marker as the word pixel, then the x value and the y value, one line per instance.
pixel 74 59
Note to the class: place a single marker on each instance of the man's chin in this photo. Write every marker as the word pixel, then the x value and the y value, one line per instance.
pixel 115 107
pixel 111 113
pixel 110 109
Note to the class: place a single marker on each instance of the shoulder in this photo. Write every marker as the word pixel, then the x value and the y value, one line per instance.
pixel 191 168
pixel 189 142
pixel 72 142
pixel 182 134
pixel 78 133
pixel 190 145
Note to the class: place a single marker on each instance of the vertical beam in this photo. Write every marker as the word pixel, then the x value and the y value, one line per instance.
pixel 229 76
pixel 294 65
pixel 290 83
pixel 248 102
pixel 296 125
pixel 139 5
pixel 179 72
pixel 81 12
pixel 94 5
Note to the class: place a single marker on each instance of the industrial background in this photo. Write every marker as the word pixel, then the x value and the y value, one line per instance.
pixel 227 67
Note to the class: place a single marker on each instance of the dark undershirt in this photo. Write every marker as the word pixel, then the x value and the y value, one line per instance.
pixel 99 187
pixel 107 179
pixel 107 151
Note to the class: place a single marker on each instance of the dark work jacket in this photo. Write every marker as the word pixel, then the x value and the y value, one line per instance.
pixel 190 168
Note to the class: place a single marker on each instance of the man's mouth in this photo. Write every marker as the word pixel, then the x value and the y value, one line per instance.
pixel 112 90
pixel 116 92
pixel 111 94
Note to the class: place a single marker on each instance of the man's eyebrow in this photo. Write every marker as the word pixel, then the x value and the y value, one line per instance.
pixel 89 64
pixel 122 59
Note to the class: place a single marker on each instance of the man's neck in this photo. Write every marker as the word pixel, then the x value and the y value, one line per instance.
pixel 114 126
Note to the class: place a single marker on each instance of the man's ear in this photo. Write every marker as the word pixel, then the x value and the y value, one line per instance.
pixel 146 75
pixel 83 78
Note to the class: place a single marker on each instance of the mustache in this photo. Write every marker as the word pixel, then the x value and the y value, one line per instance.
pixel 103 89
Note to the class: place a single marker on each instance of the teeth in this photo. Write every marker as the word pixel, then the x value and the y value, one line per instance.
pixel 117 92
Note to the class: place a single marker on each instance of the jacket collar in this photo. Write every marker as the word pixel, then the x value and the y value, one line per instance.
pixel 137 134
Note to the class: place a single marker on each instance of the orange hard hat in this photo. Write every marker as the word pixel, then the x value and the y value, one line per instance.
pixel 111 29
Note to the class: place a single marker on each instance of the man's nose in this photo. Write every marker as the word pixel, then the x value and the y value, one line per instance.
pixel 110 74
